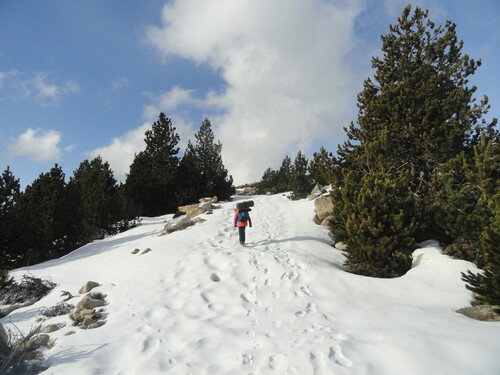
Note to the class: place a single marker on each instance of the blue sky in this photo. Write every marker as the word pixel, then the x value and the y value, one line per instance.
pixel 80 78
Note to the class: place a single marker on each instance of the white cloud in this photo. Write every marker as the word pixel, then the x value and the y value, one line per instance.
pixel 120 83
pixel 37 145
pixel 7 77
pixel 48 94
pixel 3 75
pixel 286 64
pixel 169 101
pixel 120 153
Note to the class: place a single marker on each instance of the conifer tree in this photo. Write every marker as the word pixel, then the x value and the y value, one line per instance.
pixel 321 167
pixel 190 188
pixel 44 212
pixel 151 182
pixel 468 195
pixel 9 194
pixel 487 285
pixel 96 196
pixel 376 216
pixel 414 115
pixel 269 181
pixel 284 175
pixel 203 162
pixel 420 95
pixel 464 189
pixel 300 181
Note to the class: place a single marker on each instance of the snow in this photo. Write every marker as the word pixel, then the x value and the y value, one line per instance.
pixel 283 304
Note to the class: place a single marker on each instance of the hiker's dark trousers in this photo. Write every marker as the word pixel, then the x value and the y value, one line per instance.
pixel 241 231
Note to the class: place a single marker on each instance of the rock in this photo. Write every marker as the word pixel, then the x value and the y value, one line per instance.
pixel 135 251
pixel 315 192
pixel 341 246
pixel 326 221
pixel 145 251
pixel 96 324
pixel 323 207
pixel 78 315
pixel 37 341
pixel 193 210
pixel 209 200
pixel 86 313
pixel 248 190
pixel 198 209
pixel 214 277
pixel 177 225
pixel 88 318
pixel 90 303
pixel 481 312
pixel 89 285
pixel 52 328
pixel 97 295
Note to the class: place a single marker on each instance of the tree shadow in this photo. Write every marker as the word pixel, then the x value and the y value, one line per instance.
pixel 74 354
pixel 89 250
pixel 292 239
pixel 17 316
pixel 317 258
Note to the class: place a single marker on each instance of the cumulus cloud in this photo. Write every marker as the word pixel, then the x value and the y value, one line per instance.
pixel 287 68
pixel 120 152
pixel 36 145
pixel 169 101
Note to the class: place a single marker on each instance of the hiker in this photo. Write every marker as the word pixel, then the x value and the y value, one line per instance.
pixel 241 220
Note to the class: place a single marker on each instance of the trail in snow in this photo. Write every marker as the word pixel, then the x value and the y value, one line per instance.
pixel 200 303
pixel 272 322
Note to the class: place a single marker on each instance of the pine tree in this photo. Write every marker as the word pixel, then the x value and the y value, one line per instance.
pixel 44 212
pixel 487 285
pixel 300 181
pixel 202 165
pixel 464 189
pixel 269 181
pixel 96 197
pixel 151 182
pixel 420 95
pixel 321 167
pixel 468 196
pixel 9 194
pixel 284 175
pixel 416 114
pixel 189 177
pixel 380 226
pixel 376 216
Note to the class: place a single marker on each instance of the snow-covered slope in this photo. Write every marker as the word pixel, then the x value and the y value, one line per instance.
pixel 283 305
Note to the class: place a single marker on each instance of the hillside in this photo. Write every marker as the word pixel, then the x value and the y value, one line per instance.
pixel 200 303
